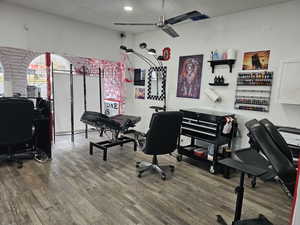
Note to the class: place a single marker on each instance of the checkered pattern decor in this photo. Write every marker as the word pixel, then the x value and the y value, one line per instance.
pixel 160 71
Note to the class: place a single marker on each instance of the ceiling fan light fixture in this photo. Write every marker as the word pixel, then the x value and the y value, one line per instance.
pixel 152 51
pixel 128 8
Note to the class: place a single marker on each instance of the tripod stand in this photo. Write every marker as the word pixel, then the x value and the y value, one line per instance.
pixel 244 169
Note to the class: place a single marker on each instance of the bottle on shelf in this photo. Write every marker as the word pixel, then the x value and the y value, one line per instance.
pixel 216 80
pixel 216 55
pixel 222 80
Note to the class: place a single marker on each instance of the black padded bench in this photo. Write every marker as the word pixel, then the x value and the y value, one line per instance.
pixel 115 125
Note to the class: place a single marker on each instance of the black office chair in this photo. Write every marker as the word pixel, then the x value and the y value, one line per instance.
pixel 16 121
pixel 162 138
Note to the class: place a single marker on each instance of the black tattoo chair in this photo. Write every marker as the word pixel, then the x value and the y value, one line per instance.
pixel 162 138
pixel 278 160
pixel 16 136
pixel 261 159
pixel 284 147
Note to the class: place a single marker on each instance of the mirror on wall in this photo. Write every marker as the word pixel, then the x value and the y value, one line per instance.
pixel 157 83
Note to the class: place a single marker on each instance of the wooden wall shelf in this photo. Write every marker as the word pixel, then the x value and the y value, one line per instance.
pixel 229 62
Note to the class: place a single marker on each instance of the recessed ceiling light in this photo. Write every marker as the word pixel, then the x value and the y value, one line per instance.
pixel 128 8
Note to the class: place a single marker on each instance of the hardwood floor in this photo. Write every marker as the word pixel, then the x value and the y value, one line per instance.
pixel 78 189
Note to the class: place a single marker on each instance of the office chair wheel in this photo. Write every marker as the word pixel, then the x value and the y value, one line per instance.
pixel 212 169
pixel 172 168
pixel 137 165
pixel 163 176
pixel 179 158
pixel 139 175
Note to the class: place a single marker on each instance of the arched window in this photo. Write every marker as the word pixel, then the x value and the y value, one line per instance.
pixel 1 80
pixel 37 76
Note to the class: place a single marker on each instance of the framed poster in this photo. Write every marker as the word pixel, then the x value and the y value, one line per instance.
pixel 189 76
pixel 256 60
pixel 140 93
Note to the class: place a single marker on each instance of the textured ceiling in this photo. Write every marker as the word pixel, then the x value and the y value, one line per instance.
pixel 105 12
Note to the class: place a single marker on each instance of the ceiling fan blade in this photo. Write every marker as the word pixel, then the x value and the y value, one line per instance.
pixel 193 15
pixel 136 24
pixel 170 31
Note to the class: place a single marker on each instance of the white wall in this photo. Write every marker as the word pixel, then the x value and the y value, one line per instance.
pixel 272 28
pixel 55 34
pixel 40 32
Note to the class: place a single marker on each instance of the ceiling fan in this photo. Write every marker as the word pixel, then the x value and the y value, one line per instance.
pixel 164 24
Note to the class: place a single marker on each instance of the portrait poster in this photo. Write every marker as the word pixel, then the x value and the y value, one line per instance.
pixel 256 60
pixel 140 93
pixel 189 76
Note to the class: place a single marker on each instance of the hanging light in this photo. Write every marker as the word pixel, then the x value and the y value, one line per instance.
pixel 152 51
pixel 143 45
pixel 123 47
pixel 129 51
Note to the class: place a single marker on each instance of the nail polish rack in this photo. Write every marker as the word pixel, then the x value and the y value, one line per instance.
pixel 253 91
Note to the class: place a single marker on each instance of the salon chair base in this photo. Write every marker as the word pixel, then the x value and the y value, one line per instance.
pixel 261 220
pixel 154 167
pixel 106 145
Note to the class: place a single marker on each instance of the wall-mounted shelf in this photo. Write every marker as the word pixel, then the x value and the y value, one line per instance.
pixel 251 103
pixel 257 98
pixel 257 109
pixel 213 84
pixel 229 62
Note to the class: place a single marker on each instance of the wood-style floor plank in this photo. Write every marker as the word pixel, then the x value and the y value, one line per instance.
pixel 78 189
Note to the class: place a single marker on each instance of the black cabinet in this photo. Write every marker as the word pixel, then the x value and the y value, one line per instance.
pixel 206 126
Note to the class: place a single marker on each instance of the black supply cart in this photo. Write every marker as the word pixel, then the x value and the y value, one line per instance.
pixel 206 126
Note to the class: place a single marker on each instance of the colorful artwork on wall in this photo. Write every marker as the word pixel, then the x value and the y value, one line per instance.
pixel 189 76
pixel 256 60
pixel 140 93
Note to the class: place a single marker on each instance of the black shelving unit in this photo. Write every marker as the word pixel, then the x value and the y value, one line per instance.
pixel 229 62
pixel 213 84
pixel 207 126
pixel 254 91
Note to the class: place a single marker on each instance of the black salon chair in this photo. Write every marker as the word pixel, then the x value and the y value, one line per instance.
pixel 285 171
pixel 162 138
pixel 261 159
pixel 277 158
pixel 278 139
pixel 16 121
